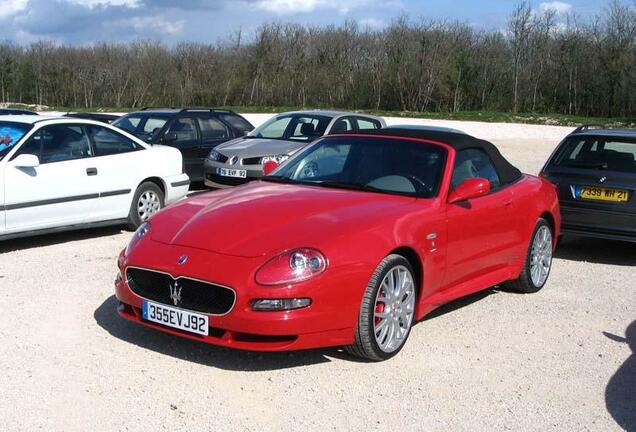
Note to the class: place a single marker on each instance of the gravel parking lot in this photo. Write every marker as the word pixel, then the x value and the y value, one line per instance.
pixel 557 360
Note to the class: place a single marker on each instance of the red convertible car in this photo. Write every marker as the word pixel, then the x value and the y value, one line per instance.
pixel 349 242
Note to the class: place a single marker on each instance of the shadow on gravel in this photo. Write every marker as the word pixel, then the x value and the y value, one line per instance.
pixel 198 352
pixel 460 303
pixel 597 251
pixel 229 359
pixel 56 238
pixel 620 394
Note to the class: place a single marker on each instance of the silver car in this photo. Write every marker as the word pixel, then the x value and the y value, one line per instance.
pixel 241 160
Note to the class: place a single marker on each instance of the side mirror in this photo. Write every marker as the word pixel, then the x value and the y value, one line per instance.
pixel 169 137
pixel 269 166
pixel 468 189
pixel 26 161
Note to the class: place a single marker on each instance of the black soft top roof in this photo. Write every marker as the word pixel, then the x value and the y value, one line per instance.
pixel 508 173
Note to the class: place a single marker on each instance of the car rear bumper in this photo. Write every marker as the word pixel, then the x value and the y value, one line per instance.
pixel 597 223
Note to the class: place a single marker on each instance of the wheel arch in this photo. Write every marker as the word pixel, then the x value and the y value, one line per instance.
pixel 156 180
pixel 414 259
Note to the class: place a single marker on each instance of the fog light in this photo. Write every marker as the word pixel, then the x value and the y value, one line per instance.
pixel 280 304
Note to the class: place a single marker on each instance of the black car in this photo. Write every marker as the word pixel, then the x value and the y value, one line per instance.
pixel 594 170
pixel 194 131
pixel 16 111
pixel 100 117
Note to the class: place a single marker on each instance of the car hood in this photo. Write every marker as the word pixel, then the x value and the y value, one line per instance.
pixel 265 217
pixel 250 147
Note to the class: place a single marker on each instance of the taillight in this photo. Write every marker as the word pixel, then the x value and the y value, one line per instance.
pixel 292 266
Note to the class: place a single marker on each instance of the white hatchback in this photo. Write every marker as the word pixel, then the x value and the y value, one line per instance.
pixel 58 174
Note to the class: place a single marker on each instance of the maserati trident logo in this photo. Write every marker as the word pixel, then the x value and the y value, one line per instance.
pixel 175 293
pixel 233 160
pixel 602 180
pixel 182 259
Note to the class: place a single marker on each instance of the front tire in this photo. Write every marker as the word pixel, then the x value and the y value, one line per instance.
pixel 147 201
pixel 538 262
pixel 387 311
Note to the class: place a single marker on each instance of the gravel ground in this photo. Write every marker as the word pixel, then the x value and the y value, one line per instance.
pixel 556 360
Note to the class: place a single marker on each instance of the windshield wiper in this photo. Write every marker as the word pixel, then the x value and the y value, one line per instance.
pixel 280 179
pixel 347 185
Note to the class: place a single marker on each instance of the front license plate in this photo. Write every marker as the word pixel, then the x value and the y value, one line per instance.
pixel 601 194
pixel 176 318
pixel 231 172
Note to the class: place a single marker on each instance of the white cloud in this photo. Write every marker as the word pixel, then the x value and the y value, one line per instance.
pixel 285 7
pixel 94 3
pixel 557 6
pixel 156 24
pixel 11 7
pixel 373 23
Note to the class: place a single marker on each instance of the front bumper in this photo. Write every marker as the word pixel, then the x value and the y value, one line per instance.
pixel 211 177
pixel 329 321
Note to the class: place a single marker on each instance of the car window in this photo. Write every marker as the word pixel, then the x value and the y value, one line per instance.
pixel 374 164
pixel 474 163
pixel 57 144
pixel 598 153
pixel 237 122
pixel 367 123
pixel 184 128
pixel 341 125
pixel 297 127
pixel 142 126
pixel 304 128
pixel 212 128
pixel 10 135
pixel 108 142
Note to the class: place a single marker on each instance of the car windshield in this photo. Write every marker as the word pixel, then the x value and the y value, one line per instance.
pixel 145 127
pixel 386 165
pixel 605 153
pixel 10 134
pixel 294 127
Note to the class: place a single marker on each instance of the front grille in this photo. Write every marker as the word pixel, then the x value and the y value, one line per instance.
pixel 222 158
pixel 196 296
pixel 229 181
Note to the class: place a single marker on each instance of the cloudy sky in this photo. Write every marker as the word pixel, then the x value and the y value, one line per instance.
pixel 86 21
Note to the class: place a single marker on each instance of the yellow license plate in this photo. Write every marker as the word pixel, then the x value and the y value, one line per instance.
pixel 603 194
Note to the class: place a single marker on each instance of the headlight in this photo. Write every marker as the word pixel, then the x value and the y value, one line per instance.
pixel 141 232
pixel 214 155
pixel 279 159
pixel 292 266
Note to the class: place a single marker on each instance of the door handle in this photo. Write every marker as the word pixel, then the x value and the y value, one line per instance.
pixel 91 171
pixel 508 203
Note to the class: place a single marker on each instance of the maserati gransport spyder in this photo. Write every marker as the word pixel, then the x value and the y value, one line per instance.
pixel 347 243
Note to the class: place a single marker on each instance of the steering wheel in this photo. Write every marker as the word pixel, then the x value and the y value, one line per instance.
pixel 308 170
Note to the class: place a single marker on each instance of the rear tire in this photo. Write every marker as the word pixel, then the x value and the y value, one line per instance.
pixel 538 262
pixel 147 201
pixel 387 311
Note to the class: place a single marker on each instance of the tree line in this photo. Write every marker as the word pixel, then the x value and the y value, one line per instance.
pixel 540 63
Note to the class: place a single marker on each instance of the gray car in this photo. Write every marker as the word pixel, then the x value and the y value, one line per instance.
pixel 241 160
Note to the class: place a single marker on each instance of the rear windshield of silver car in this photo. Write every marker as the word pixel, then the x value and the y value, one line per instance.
pixel 10 134
pixel 293 127
pixel 600 153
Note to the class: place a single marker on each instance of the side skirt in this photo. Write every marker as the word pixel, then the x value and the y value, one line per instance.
pixel 65 228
